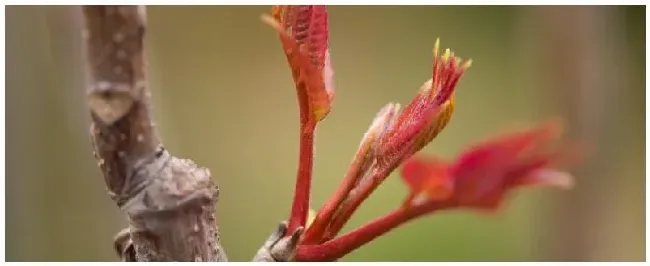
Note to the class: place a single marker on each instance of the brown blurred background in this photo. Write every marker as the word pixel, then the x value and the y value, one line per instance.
pixel 223 96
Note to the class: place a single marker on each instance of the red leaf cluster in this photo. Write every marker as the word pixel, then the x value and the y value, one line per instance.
pixel 480 177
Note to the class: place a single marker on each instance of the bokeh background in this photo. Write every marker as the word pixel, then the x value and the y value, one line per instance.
pixel 223 96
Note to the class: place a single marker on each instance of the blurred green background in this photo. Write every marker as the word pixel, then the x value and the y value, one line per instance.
pixel 224 97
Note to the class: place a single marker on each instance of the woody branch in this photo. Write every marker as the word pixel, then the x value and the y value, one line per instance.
pixel 170 202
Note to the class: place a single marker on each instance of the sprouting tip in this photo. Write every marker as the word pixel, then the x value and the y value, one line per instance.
pixel 445 56
pixel 436 47
pixel 467 64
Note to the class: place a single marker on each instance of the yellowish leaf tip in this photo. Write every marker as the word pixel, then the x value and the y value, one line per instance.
pixel 436 47
pixel 311 215
pixel 445 57
pixel 467 64
pixel 271 22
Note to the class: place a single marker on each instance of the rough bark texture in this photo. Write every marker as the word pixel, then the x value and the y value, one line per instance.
pixel 170 202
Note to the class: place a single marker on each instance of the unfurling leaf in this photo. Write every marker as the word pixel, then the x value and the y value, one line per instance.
pixel 482 175
pixel 366 154
pixel 429 112
pixel 383 121
pixel 303 31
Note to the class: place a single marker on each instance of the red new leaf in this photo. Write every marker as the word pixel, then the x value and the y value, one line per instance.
pixel 304 35
pixel 429 112
pixel 303 31
pixel 484 173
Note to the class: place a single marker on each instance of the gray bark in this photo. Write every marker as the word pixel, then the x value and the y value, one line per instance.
pixel 170 202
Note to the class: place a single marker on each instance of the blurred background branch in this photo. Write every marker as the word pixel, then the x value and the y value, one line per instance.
pixel 587 70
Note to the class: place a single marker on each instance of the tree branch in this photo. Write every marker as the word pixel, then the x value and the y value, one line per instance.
pixel 170 202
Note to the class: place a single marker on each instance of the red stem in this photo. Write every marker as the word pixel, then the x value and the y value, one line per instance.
pixel 341 246
pixel 354 202
pixel 300 206
pixel 315 232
